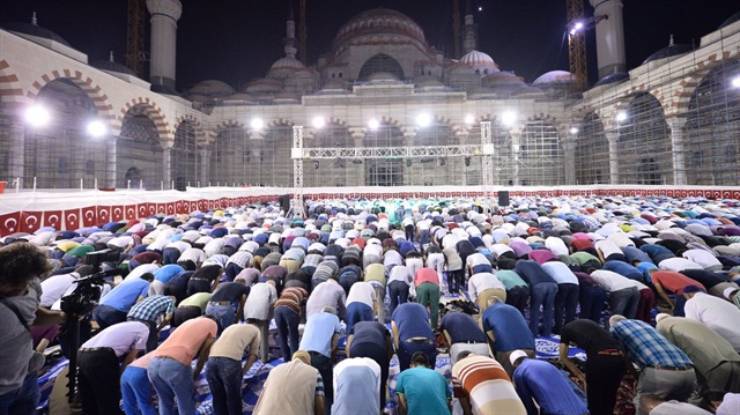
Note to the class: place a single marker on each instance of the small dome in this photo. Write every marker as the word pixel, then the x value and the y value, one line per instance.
pixel 730 20
pixel 554 77
pixel 113 67
pixel 264 86
pixel 334 85
pixel 499 79
pixel 284 67
pixel 475 57
pixel 212 88
pixel 34 30
pixel 429 83
pixel 668 51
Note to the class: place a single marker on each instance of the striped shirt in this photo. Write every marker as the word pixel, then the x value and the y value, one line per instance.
pixel 647 347
pixel 152 308
pixel 488 386
pixel 292 298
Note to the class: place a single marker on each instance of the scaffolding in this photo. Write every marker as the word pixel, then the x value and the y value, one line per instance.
pixel 139 152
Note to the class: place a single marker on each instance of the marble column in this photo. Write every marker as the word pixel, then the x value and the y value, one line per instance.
pixel 676 125
pixel 612 137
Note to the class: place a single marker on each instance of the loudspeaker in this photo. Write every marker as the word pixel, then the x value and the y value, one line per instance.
pixel 503 198
pixel 284 201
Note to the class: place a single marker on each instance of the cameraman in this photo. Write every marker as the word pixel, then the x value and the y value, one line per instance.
pixel 21 267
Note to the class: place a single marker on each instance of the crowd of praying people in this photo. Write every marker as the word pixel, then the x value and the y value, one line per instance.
pixel 418 307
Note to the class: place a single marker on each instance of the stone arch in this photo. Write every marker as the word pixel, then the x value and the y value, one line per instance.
pixel 680 99
pixel 103 106
pixel 381 62
pixel 10 86
pixel 227 154
pixel 644 143
pixel 140 147
pixel 203 137
pixel 267 155
pixel 712 130
pixel 184 156
pixel 153 112
pixel 591 151
pixel 541 158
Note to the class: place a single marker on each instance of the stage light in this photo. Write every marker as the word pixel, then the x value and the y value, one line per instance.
pixel 257 124
pixel 373 124
pixel 574 130
pixel 577 27
pixel 37 116
pixel 469 119
pixel 96 129
pixel 622 116
pixel 508 118
pixel 423 120
pixel 480 8
pixel 736 82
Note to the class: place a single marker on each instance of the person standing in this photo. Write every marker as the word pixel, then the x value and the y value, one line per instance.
pixel 225 370
pixel 320 341
pixel 541 382
pixel 422 390
pixel 170 370
pixel 605 363
pixel 304 383
pixel 100 361
pixel 426 282
pixel 543 292
pixel 666 372
pixel 566 300
pixel 288 311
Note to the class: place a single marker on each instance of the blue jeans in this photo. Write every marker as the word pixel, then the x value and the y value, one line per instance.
pixel 136 392
pixel 543 295
pixel 566 302
pixel 23 400
pixel 406 349
pixel 224 378
pixel 173 382
pixel 593 302
pixel 287 321
pixel 357 312
pixel 398 291
pixel 225 314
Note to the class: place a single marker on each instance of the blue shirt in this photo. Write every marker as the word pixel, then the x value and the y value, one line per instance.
pixel 168 272
pixel 124 296
pixel 462 328
pixel 635 254
pixel 543 382
pixel 412 320
pixel 645 268
pixel 317 334
pixel 532 272
pixel 425 390
pixel 509 328
pixel 657 252
pixel 647 347
pixel 356 392
pixel 624 269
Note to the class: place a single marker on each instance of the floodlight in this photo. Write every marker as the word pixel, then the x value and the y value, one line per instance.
pixel 508 118
pixel 96 129
pixel 423 120
pixel 318 122
pixel 736 82
pixel 37 116
pixel 373 124
pixel 257 124
pixel 622 116
pixel 469 119
pixel 574 130
pixel 577 27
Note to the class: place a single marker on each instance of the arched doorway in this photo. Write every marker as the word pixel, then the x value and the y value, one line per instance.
pixel 592 152
pixel 227 164
pixel 184 156
pixel 139 153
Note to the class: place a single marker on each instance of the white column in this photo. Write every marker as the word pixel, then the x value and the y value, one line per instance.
pixel 165 14
pixel 205 155
pixel 167 165
pixel 678 150
pixel 569 160
pixel 357 171
pixel 612 137
pixel 515 140
pixel 487 151
pixel 112 156
pixel 297 156
pixel 609 37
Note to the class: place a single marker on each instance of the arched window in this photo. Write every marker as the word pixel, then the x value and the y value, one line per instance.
pixel 381 63
pixel 138 148
pixel 592 152
pixel 184 156
pixel 540 154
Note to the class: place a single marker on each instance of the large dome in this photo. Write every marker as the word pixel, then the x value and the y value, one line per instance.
pixel 480 61
pixel 554 77
pixel 379 26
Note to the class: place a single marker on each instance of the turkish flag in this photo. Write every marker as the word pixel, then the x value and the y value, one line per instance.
pixel 117 213
pixel 72 219
pixel 9 223
pixel 142 210
pixel 89 216
pixel 53 218
pixel 131 212
pixel 30 221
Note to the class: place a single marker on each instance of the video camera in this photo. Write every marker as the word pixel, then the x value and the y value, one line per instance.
pixel 85 296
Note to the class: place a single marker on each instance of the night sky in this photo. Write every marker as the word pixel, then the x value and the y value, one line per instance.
pixel 236 41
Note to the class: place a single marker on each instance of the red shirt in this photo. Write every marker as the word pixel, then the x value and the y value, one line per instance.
pixel 426 275
pixel 582 244
pixel 674 282
pixel 147 257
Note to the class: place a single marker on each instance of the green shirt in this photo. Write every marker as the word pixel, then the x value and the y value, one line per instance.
pixel 197 300
pixel 81 251
pixel 582 257
pixel 425 390
pixel 704 347
pixel 510 279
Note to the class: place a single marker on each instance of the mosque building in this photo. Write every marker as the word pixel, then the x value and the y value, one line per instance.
pixel 380 107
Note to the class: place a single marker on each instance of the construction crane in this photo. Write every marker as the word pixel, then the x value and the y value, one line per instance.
pixel 135 33
pixel 456 28
pixel 577 43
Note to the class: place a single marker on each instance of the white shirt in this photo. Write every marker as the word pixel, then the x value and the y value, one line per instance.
pixel 557 246
pixel 192 254
pixel 703 258
pixel 214 247
pixel 179 245
pixel 121 242
pixel 362 292
pixel 414 264
pixel 121 337
pixel 357 361
pixel 219 259
pixel 240 258
pixel 716 313
pixel 560 272
pixel 436 261
pixel 678 264
pixel 500 249
pixel 259 301
pixel 611 281
pixel 373 250
pixel 620 239
pixel 400 273
pixel 142 269
pixel 249 246
pixel 607 247
pixel 473 260
pixel 482 281
pixel 54 287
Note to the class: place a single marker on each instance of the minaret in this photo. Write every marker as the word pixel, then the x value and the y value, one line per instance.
pixel 470 37
pixel 610 53
pixel 290 41
pixel 162 69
